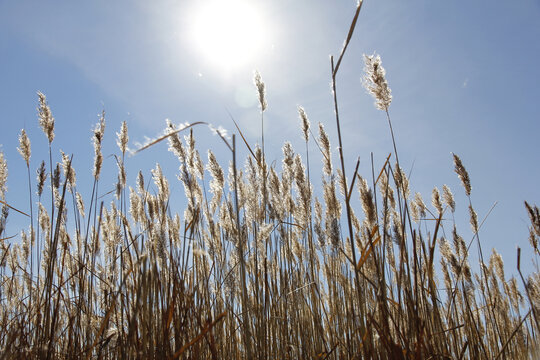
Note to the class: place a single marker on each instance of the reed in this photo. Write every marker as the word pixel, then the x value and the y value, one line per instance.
pixel 256 266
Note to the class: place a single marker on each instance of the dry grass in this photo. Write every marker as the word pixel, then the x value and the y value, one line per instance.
pixel 256 266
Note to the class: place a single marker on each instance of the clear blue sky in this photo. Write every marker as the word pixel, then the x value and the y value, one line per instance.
pixel 464 78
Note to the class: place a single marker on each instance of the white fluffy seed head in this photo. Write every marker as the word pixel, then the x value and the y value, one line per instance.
pixel 375 81
pixel 305 122
pixel 325 145
pixel 24 147
pixel 261 91
pixel 69 172
pixel 46 120
pixel 122 137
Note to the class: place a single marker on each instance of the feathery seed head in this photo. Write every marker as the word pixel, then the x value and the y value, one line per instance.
pixel 533 240
pixel 24 147
pixel 387 191
pixel 265 231
pixel 366 197
pixel 398 235
pixel 140 183
pixel 375 81
pixel 69 172
pixel 496 262
pixel 517 298
pixel 41 177
pixel 217 182
pixel 220 131
pixel 122 138
pixel 459 244
pixel 436 200
pixel 13 261
pixel 342 182
pixel 25 246
pixel 80 204
pixel 325 144
pixel 420 204
pixel 3 176
pixel 534 216
pixel 401 180
pixel 448 198
pixel 445 249
pixel 46 120
pixel 44 220
pixel 199 166
pixel 473 219
pixel 260 90
pixel 333 233
pixel 175 145
pixel 288 156
pixel 121 182
pixel 462 174
pixel 305 122
pixel 299 171
pixel 56 176
pixel 161 182
pixel 414 211
pixel 97 139
pixel 318 221
pixel 215 169
pixel 134 204
pixel 446 274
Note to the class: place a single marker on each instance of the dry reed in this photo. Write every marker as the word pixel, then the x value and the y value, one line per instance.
pixel 257 267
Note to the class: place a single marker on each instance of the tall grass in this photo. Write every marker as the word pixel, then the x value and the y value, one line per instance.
pixel 256 266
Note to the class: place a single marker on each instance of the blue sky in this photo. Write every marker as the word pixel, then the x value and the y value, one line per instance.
pixel 464 79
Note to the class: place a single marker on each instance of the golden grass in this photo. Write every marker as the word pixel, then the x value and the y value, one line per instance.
pixel 257 267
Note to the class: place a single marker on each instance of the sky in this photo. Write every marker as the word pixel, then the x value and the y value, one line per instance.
pixel 464 79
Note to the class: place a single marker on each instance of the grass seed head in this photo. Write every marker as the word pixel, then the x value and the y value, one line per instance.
pixel 46 120
pixel 420 205
pixel 24 147
pixel 261 91
pixel 462 174
pixel 448 198
pixel 122 137
pixel 375 81
pixel 41 177
pixel 366 197
pixel 97 139
pixel 473 219
pixel 3 176
pixel 80 204
pixel 69 172
pixel 56 176
pixel 436 200
pixel 175 144
pixel 305 122
pixel 327 156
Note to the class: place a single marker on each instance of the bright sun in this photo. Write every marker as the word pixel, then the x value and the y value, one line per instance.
pixel 228 33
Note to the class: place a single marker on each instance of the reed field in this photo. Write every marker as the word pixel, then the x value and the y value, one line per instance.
pixel 256 266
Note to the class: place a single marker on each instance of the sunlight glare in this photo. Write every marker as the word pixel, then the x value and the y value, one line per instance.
pixel 228 34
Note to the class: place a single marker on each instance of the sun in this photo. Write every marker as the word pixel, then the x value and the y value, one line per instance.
pixel 228 34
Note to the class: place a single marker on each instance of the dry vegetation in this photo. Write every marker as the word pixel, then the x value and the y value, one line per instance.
pixel 256 266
